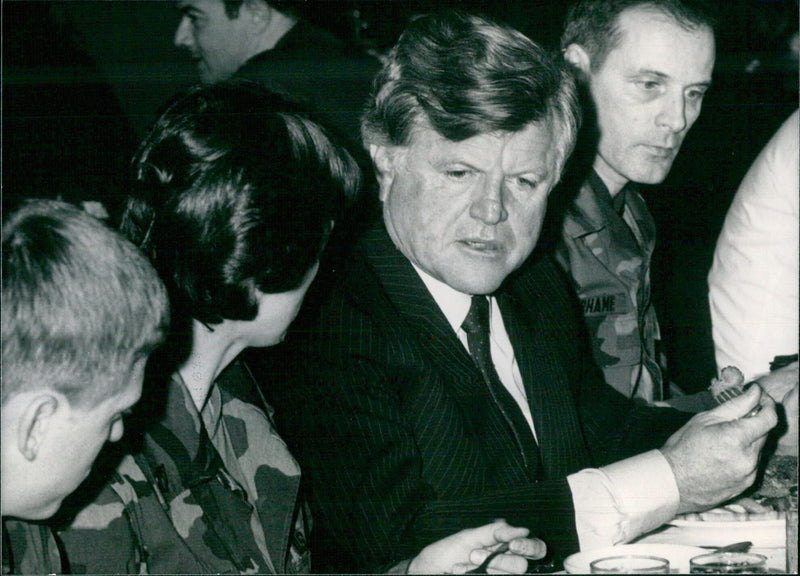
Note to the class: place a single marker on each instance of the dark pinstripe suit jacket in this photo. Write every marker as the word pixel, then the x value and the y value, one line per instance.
pixel 398 436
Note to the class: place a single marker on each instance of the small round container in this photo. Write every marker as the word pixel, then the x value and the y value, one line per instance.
pixel 630 564
pixel 728 563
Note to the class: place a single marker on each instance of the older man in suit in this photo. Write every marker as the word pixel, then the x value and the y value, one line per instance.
pixel 447 376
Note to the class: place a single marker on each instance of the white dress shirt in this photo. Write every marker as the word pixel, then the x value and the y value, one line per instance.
pixel 455 306
pixel 753 283
pixel 613 504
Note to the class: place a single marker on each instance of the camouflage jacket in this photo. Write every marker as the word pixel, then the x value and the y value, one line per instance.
pixel 35 550
pixel 200 496
pixel 608 257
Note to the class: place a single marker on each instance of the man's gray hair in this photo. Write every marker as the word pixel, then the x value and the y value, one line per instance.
pixel 466 75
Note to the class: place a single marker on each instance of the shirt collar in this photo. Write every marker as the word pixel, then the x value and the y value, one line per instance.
pixel 601 192
pixel 617 203
pixel 453 304
pixel 593 208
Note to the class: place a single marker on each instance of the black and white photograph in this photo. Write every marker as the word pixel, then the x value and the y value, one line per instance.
pixel 400 287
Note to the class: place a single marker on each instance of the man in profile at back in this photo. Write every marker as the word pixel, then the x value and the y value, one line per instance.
pixel 269 42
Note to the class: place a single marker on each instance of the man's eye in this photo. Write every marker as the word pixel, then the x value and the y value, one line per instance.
pixel 696 95
pixel 528 183
pixel 459 174
pixel 189 14
pixel 648 85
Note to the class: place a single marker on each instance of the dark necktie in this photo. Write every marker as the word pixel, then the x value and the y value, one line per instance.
pixel 476 325
pixel 619 207
pixel 618 201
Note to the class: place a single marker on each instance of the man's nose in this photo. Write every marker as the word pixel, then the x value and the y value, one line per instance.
pixel 489 207
pixel 183 38
pixel 673 113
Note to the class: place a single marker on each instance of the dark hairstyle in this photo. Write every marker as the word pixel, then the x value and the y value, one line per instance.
pixel 80 304
pixel 236 192
pixel 467 75
pixel 592 24
pixel 232 7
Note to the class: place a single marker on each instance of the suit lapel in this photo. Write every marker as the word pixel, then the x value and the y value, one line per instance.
pixel 558 430
pixel 426 323
pixel 424 320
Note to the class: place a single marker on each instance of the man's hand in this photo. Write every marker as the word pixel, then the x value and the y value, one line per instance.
pixel 715 455
pixel 781 385
pixel 466 549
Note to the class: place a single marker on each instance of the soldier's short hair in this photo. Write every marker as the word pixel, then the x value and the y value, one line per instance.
pixel 592 24
pixel 80 304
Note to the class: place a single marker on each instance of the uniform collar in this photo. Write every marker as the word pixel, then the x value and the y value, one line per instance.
pixel 594 207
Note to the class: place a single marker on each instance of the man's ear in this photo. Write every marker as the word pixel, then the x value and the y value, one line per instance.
pixel 383 159
pixel 576 55
pixel 34 424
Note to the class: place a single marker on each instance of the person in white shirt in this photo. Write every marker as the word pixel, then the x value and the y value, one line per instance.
pixel 753 282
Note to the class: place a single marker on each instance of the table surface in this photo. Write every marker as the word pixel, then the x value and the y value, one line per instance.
pixel 776 556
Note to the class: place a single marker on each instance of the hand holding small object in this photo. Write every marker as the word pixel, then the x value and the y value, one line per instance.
pixel 466 550
pixel 715 455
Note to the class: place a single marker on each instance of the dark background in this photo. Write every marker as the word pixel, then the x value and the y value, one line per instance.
pixel 82 80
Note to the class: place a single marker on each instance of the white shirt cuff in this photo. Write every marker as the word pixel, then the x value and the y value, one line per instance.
pixel 617 503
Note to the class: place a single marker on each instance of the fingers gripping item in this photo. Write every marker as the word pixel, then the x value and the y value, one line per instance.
pixel 730 385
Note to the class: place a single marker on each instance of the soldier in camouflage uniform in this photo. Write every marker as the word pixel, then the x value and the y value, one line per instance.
pixel 200 497
pixel 608 255
pixel 646 65
pixel 74 348
pixel 234 205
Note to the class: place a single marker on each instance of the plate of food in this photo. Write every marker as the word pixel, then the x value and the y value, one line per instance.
pixel 762 533
pixel 677 555
pixel 733 523
pixel 759 517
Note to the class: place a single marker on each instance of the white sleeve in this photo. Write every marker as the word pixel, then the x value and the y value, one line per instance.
pixel 616 503
pixel 753 287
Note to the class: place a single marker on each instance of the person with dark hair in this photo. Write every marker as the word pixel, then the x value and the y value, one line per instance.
pixel 271 43
pixel 646 66
pixel 82 310
pixel 446 379
pixel 237 195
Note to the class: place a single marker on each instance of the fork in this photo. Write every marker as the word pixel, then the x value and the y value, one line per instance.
pixel 737 547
